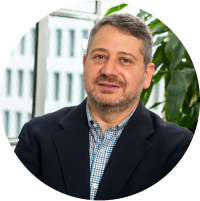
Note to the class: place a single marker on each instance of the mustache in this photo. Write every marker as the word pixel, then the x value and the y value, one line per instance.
pixel 110 79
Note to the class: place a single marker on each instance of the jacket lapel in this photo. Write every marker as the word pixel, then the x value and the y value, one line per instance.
pixel 72 146
pixel 127 153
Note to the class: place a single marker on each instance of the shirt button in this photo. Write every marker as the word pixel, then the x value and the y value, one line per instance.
pixel 101 150
pixel 95 185
pixel 94 125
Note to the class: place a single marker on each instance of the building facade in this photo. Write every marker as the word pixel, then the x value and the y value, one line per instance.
pixel 67 42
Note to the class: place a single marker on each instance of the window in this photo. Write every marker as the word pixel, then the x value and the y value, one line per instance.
pixel 46 86
pixel 22 46
pixel 82 89
pixel 56 80
pixel 6 121
pixel 69 87
pixel 17 86
pixel 18 123
pixel 59 41
pixel 20 81
pixel 71 42
pixel 67 37
pixel 86 6
pixel 18 89
pixel 156 92
pixel 48 50
pixel 31 83
pixel 64 89
pixel 8 79
pixel 29 116
pixel 84 40
pixel 33 41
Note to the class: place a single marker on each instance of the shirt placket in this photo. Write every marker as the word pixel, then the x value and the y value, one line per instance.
pixel 98 162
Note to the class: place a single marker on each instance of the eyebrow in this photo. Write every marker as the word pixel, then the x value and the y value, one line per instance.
pixel 121 52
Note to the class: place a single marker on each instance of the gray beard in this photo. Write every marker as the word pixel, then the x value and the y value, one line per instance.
pixel 121 103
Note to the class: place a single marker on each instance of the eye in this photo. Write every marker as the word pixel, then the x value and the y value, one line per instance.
pixel 124 60
pixel 99 57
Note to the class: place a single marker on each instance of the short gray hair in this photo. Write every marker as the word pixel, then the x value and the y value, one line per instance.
pixel 128 24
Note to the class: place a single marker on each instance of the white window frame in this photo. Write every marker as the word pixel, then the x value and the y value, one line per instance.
pixel 42 52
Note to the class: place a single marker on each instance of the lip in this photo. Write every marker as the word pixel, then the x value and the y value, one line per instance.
pixel 108 86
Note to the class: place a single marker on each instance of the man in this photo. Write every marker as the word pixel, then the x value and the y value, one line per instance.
pixel 110 146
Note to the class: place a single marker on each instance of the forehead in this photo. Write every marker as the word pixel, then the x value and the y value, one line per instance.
pixel 106 29
pixel 111 37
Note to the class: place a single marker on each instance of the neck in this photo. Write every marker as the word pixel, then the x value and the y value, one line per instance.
pixel 107 120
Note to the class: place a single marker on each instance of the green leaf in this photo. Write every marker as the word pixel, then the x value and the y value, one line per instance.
pixel 156 104
pixel 157 64
pixel 184 64
pixel 159 40
pixel 157 54
pixel 164 108
pixel 172 43
pixel 148 17
pixel 194 109
pixel 198 107
pixel 157 77
pixel 179 117
pixel 160 29
pixel 163 56
pixel 187 57
pixel 177 57
pixel 187 121
pixel 155 24
pixel 142 13
pixel 146 94
pixel 167 80
pixel 115 9
pixel 176 91
pixel 187 100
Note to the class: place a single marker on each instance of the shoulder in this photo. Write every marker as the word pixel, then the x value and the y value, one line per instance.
pixel 170 133
pixel 54 116
pixel 48 123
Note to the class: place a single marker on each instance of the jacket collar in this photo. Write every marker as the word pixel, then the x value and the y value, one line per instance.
pixel 72 145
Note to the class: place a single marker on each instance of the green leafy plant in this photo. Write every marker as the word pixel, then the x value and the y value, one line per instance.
pixel 174 65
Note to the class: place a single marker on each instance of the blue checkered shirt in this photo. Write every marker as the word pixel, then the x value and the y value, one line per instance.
pixel 101 148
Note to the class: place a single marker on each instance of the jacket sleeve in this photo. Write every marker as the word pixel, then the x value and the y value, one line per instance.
pixel 25 152
pixel 175 157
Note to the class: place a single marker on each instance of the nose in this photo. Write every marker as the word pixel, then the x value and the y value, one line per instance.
pixel 110 68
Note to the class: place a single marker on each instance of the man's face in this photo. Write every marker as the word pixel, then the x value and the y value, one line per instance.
pixel 114 73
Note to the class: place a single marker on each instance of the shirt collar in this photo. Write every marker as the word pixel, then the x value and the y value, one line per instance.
pixel 121 125
pixel 89 115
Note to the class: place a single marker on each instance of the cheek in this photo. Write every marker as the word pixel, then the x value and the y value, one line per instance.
pixel 128 77
pixel 90 74
pixel 132 79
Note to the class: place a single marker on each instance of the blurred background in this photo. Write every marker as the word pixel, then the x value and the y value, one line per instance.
pixel 44 72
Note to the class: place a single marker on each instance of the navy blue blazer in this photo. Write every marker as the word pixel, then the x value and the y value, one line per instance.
pixel 55 148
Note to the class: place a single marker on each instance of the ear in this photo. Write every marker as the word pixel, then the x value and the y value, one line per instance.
pixel 148 75
pixel 84 62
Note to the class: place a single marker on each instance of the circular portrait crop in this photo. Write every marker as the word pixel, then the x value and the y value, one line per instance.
pixel 100 100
